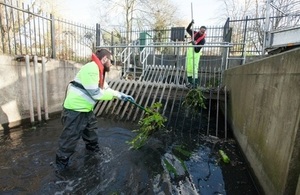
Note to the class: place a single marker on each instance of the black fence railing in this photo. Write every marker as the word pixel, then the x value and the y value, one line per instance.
pixel 26 30
pixel 247 35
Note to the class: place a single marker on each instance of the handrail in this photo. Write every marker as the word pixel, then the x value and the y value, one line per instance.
pixel 126 53
pixel 143 58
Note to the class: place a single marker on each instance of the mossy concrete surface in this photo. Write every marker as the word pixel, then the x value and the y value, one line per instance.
pixel 264 112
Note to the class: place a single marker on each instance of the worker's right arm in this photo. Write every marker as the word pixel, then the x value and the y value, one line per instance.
pixel 188 28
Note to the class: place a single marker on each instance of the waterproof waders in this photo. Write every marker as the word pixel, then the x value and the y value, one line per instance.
pixel 192 65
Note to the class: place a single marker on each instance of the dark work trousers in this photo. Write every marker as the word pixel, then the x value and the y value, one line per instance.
pixel 76 125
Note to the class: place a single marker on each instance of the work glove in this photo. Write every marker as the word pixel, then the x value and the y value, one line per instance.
pixel 194 42
pixel 125 97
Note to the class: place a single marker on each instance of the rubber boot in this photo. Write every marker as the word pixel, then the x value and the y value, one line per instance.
pixel 196 83
pixel 190 82
pixel 92 147
pixel 61 162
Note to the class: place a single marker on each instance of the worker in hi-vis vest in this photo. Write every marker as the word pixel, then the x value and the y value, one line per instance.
pixel 78 118
pixel 193 54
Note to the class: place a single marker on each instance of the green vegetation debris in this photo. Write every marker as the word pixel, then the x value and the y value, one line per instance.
pixel 224 157
pixel 194 100
pixel 170 168
pixel 152 122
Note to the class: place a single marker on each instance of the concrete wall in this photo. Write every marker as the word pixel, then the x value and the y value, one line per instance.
pixel 264 112
pixel 14 93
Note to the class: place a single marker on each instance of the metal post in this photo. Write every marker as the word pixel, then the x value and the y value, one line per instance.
pixel 267 27
pixel 44 76
pixel 244 41
pixel 52 26
pixel 28 75
pixel 193 48
pixel 37 88
pixel 98 35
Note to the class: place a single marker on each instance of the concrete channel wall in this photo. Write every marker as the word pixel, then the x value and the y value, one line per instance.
pixel 264 112
pixel 14 94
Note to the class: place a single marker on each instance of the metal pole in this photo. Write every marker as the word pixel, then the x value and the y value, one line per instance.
pixel 193 47
pixel 52 26
pixel 29 89
pixel 37 88
pixel 44 76
pixel 244 42
pixel 267 27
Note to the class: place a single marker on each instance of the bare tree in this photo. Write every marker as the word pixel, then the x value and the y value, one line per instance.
pixel 282 14
pixel 138 14
pixel 9 28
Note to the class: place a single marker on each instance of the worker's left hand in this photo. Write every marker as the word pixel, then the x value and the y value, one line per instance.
pixel 126 97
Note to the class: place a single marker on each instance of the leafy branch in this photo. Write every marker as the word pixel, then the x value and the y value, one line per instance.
pixel 194 100
pixel 152 122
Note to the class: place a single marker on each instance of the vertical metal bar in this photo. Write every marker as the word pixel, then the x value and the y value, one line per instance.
pixel 135 95
pixel 44 35
pixel 7 28
pixel 29 27
pixel 158 86
pixel 266 38
pixel 77 45
pixel 117 86
pixel 37 88
pixel 29 84
pixel 25 29
pixel 44 77
pixel 98 35
pixel 226 61
pixel 215 84
pixel 217 113
pixel 2 36
pixel 35 34
pixel 39 36
pixel 13 30
pixel 205 76
pixel 193 61
pixel 167 99
pixel 225 91
pixel 209 110
pixel 19 24
pixel 52 30
pixel 138 91
pixel 142 98
pixel 244 41
pixel 149 95
pixel 69 38
pixel 173 102
pixel 118 105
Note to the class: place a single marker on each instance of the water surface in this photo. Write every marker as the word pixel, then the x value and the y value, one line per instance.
pixel 175 162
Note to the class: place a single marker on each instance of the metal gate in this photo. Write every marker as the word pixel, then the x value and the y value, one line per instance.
pixel 167 84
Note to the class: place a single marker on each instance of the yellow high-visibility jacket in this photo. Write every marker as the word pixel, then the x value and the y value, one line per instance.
pixel 85 92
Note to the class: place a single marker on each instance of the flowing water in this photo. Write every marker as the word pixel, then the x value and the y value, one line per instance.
pixel 173 162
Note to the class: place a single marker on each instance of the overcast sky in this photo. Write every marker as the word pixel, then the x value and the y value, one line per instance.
pixel 204 12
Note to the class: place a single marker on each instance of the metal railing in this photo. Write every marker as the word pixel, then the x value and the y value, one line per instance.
pixel 247 34
pixel 136 65
pixel 163 79
pixel 27 30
